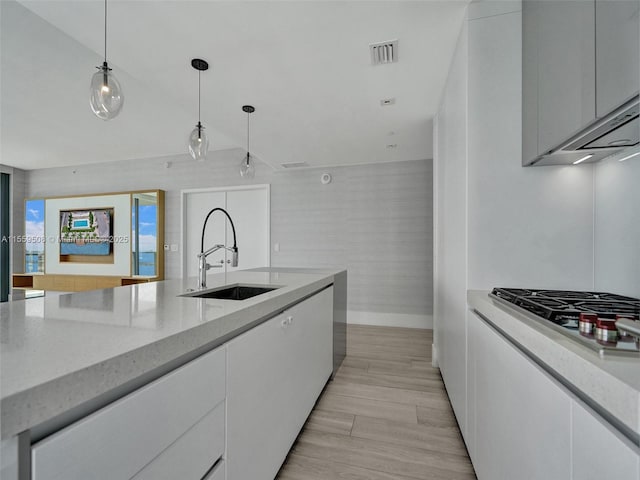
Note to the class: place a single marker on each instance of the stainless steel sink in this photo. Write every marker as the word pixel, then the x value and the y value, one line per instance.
pixel 234 292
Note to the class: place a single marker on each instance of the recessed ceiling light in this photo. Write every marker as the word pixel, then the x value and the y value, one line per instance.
pixel 387 101
pixel 587 157
pixel 629 156
pixel 294 165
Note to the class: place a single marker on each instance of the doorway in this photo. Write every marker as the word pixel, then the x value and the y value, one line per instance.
pixel 249 208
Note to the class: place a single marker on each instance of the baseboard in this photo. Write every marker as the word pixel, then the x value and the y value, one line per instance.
pixel 434 355
pixel 389 319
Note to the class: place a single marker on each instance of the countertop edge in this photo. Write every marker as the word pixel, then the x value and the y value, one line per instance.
pixel 597 378
pixel 124 373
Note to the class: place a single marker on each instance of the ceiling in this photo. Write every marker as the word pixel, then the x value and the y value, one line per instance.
pixel 304 65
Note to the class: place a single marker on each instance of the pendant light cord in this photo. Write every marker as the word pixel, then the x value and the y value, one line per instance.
pixel 199 97
pixel 248 113
pixel 105 30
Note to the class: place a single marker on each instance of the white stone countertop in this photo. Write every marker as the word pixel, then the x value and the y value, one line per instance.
pixel 59 351
pixel 612 382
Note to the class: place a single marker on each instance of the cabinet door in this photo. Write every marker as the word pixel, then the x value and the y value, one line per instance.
pixel 118 440
pixel 566 69
pixel 451 278
pixel 598 451
pixel 192 455
pixel 519 423
pixel 617 53
pixel 313 322
pixel 275 373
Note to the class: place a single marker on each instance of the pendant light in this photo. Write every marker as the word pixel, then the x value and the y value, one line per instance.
pixel 198 141
pixel 247 169
pixel 107 98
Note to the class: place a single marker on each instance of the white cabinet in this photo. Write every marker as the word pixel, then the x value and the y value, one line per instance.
pixel 119 440
pixel 276 371
pixel 580 62
pixel 566 70
pixel 598 451
pixel 519 418
pixel 523 424
pixel 617 53
pixel 193 454
pixel 559 85
pixel 450 264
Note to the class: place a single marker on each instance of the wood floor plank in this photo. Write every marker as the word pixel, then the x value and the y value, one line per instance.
pixel 384 457
pixel 355 363
pixel 364 406
pixel 330 422
pixel 371 408
pixel 436 417
pixel 390 352
pixel 402 368
pixel 446 440
pixel 299 467
pixel 436 400
pixel 349 374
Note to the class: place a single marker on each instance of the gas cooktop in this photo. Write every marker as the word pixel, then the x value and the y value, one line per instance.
pixel 562 310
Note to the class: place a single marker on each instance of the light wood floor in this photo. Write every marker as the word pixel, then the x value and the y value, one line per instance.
pixel 384 416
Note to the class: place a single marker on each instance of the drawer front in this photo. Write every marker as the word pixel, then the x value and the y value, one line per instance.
pixel 117 441
pixel 193 454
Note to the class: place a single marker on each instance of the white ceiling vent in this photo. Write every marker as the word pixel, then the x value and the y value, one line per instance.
pixel 295 165
pixel 384 52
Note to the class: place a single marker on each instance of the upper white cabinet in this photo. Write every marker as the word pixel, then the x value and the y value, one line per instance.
pixel 558 81
pixel 617 53
pixel 580 62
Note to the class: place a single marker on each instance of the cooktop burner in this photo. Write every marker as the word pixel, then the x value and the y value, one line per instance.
pixel 563 308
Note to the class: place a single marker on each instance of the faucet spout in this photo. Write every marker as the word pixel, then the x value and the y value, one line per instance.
pixel 203 266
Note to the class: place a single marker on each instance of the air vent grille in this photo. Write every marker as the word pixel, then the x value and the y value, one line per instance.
pixel 384 52
pixel 295 165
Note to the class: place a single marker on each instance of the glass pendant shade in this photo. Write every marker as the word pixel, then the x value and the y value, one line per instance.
pixel 198 143
pixel 247 170
pixel 106 98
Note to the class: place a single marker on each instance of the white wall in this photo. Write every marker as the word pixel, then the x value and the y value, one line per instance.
pixel 617 226
pixel 376 220
pixel 528 227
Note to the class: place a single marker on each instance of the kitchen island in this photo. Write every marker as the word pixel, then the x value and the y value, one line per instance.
pixel 552 407
pixel 65 357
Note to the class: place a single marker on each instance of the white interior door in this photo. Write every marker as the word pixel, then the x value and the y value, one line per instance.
pixel 249 210
pixel 196 207
pixel 248 207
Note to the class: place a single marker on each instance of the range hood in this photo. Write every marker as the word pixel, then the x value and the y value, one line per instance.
pixel 606 136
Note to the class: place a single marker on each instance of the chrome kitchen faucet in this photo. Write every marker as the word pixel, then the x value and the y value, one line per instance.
pixel 203 266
